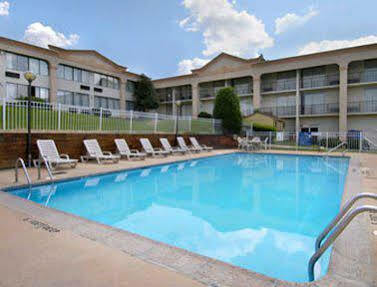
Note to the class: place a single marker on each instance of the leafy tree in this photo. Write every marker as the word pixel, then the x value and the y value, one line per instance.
pixel 204 115
pixel 227 108
pixel 145 95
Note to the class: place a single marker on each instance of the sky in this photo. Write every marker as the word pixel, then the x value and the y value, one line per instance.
pixel 163 38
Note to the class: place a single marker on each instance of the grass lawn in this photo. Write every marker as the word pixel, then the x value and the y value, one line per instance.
pixel 45 119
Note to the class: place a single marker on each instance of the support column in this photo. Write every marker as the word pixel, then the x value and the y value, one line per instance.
pixel 195 99
pixel 3 63
pixel 174 106
pixel 343 96
pixel 256 91
pixel 122 94
pixel 298 99
pixel 52 73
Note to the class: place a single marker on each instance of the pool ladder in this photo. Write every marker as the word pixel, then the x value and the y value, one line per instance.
pixel 337 147
pixel 337 225
pixel 20 160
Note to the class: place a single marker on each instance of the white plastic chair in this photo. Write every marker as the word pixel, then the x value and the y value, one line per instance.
pixel 150 150
pixel 124 150
pixel 50 155
pixel 94 151
pixel 167 147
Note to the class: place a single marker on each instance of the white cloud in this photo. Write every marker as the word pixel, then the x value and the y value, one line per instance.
pixel 225 29
pixel 4 8
pixel 315 47
pixel 41 35
pixel 292 20
pixel 185 66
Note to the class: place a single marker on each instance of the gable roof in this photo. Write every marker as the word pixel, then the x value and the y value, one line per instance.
pixel 86 52
pixel 226 55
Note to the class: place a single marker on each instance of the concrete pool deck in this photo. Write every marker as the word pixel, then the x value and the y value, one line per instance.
pixel 35 253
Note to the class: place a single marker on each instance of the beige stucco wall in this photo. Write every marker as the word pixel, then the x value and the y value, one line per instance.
pixel 324 124
pixel 363 122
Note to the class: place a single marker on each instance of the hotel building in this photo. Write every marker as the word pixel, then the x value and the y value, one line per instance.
pixel 72 77
pixel 327 91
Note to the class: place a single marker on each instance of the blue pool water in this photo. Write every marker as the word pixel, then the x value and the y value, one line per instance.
pixel 256 211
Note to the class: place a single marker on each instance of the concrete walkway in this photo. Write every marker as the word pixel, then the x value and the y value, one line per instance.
pixel 34 254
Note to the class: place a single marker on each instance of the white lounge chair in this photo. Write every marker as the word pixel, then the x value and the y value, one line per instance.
pixel 50 155
pixel 182 145
pixel 150 150
pixel 167 147
pixel 124 150
pixel 196 144
pixel 94 151
pixel 256 143
pixel 243 143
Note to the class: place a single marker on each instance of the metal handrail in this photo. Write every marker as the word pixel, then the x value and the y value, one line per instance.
pixel 47 164
pixel 334 235
pixel 335 148
pixel 340 215
pixel 20 160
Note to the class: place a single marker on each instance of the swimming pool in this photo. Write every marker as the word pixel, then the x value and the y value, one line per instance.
pixel 258 211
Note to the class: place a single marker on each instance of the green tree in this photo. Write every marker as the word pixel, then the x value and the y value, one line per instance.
pixel 145 95
pixel 227 108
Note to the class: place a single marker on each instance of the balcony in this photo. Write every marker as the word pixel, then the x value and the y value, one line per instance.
pixel 243 90
pixel 320 109
pixel 165 98
pixel 367 76
pixel 318 81
pixel 362 107
pixel 205 93
pixel 278 85
pixel 184 97
pixel 279 111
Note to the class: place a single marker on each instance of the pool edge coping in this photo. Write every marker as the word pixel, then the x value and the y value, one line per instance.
pixel 204 269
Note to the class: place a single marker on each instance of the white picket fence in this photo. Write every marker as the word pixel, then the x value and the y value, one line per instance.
pixel 360 141
pixel 58 117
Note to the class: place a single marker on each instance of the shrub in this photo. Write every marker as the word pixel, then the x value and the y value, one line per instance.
pixel 263 128
pixel 205 115
pixel 227 108
pixel 33 99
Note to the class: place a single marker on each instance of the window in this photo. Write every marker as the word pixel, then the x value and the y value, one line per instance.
pixel 42 93
pixel 86 77
pixel 97 79
pixel 23 64
pixel 370 95
pixel 43 67
pixel 68 73
pixel 73 99
pixel 131 86
pixel 11 61
pixel 130 105
pixel 286 101
pixel 74 74
pixel 77 75
pixel 106 81
pixel 106 103
pixel 15 91
pixel 11 91
pixel 116 84
pixel 60 72
pixel 34 66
